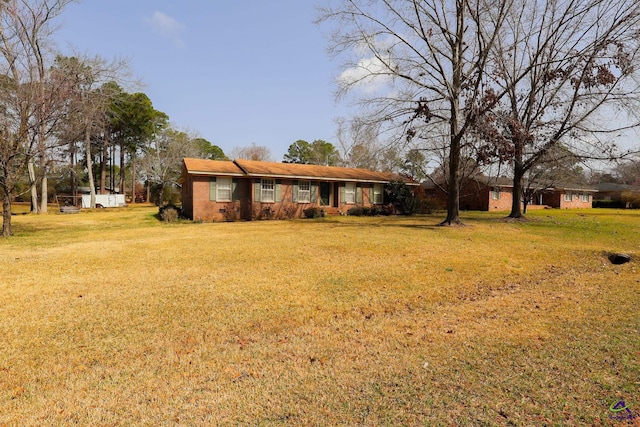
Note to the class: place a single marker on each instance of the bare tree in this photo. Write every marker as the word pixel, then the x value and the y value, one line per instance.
pixel 570 70
pixel 628 172
pixel 161 164
pixel 358 143
pixel 416 65
pixel 29 104
pixel 252 152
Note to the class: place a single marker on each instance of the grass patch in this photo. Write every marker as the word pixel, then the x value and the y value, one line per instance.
pixel 112 317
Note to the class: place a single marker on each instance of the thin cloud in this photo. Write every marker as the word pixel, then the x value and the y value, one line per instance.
pixel 167 27
pixel 370 75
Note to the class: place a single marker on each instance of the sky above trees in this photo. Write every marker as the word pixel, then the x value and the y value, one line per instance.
pixel 237 73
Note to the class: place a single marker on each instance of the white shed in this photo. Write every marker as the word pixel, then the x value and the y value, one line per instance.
pixel 104 200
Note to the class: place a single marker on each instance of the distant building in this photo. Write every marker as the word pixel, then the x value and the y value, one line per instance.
pixel 484 193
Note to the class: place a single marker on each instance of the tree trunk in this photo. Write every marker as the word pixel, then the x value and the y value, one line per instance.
pixel 518 176
pixel 74 178
pixel 133 178
pixel 34 190
pixel 453 195
pixel 92 184
pixel 44 188
pixel 457 46
pixel 6 214
pixel 103 165
pixel 44 192
pixel 160 199
pixel 123 186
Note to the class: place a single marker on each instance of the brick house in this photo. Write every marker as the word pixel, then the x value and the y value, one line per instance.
pixel 215 190
pixel 483 193
pixel 477 194
pixel 568 196
pixel 612 195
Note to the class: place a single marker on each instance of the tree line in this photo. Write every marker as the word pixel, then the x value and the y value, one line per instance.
pixel 66 122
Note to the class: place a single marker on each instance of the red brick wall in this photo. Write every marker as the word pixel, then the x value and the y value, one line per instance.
pixel 504 203
pixel 197 206
pixel 556 200
pixel 207 210
pixel 478 197
pixel 575 203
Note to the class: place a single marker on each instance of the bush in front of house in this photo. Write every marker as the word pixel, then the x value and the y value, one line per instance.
pixel 169 213
pixel 313 212
pixel 401 197
pixel 356 211
pixel 369 210
pixel 630 199
pixel 427 205
pixel 610 204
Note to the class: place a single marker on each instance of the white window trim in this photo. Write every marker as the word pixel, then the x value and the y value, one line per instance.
pixel 304 194
pixel 378 191
pixel 495 194
pixel 350 192
pixel 224 185
pixel 268 195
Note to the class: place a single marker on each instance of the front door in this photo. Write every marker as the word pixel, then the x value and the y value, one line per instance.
pixel 325 194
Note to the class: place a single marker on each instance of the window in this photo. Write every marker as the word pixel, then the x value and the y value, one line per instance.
pixel 350 192
pixel 376 197
pixel 584 197
pixel 568 197
pixel 304 192
pixel 495 194
pixel 223 190
pixel 268 190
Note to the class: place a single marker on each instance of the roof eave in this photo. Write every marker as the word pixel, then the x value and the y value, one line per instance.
pixel 209 173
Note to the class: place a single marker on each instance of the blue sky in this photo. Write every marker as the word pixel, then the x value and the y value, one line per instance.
pixel 235 72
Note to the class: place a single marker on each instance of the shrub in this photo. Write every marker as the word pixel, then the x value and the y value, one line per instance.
pixel 369 210
pixel 401 197
pixel 631 199
pixel 231 213
pixel 313 212
pixel 289 212
pixel 427 205
pixel 612 204
pixel 266 213
pixel 356 211
pixel 169 213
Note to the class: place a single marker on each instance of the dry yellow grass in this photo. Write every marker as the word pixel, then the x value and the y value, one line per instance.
pixel 113 318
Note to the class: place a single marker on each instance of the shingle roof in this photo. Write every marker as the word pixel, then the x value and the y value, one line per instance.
pixel 254 168
pixel 612 186
pixel 212 167
pixel 508 182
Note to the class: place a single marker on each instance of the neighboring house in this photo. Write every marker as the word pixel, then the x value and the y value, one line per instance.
pixel 216 190
pixel 568 196
pixel 610 194
pixel 483 193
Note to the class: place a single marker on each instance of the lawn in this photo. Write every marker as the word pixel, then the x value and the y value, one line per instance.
pixel 115 318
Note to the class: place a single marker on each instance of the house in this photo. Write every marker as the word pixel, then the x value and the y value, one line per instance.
pixel 216 190
pixel 484 193
pixel 614 195
pixel 568 196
